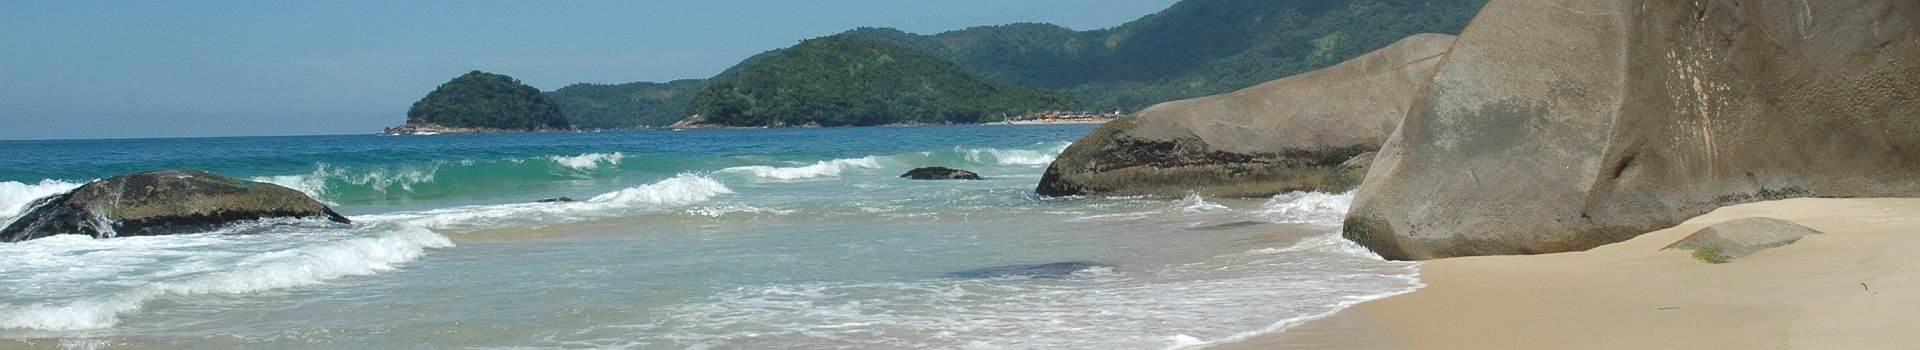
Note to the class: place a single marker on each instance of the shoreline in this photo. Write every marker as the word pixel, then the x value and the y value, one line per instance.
pixel 1848 288
pixel 1022 122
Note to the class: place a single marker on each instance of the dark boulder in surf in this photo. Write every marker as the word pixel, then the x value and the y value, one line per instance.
pixel 555 200
pixel 939 173
pixel 1049 270
pixel 162 203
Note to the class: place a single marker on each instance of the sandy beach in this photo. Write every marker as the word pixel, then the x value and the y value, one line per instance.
pixel 1854 287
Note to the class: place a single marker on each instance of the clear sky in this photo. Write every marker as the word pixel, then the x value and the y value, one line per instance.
pixel 184 68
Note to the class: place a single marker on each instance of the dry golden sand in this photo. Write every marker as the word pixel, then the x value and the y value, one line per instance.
pixel 1855 287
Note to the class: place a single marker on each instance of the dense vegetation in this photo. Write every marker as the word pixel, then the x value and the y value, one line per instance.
pixel 847 80
pixel 486 100
pixel 627 106
pixel 1194 48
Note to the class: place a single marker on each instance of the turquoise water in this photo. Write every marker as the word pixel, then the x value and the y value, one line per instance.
pixel 783 238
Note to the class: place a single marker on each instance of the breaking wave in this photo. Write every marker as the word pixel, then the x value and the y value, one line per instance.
pixel 63 274
pixel 15 197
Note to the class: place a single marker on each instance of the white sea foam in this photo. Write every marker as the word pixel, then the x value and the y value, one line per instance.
pixel 315 184
pixel 1317 208
pixel 1133 307
pixel 80 283
pixel 679 190
pixel 16 196
pixel 676 191
pixel 588 161
pixel 1196 204
pixel 829 168
pixel 1010 156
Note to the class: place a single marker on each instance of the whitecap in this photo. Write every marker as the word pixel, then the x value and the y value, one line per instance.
pixel 588 161
pixel 15 197
pixel 676 191
pixel 828 168
pixel 679 190
pixel 1010 156
pixel 316 183
pixel 79 283
pixel 1194 203
pixel 1317 208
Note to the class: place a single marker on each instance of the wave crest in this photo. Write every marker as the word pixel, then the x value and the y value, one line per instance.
pixel 680 190
pixel 588 161
pixel 825 168
pixel 1317 208
pixel 676 191
pixel 15 197
pixel 66 269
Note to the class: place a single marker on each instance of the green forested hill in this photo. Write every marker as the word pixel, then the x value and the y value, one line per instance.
pixel 627 106
pixel 846 80
pixel 486 100
pixel 1194 48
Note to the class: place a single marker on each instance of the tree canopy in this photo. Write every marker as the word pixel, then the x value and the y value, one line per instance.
pixel 1191 49
pixel 1194 48
pixel 847 80
pixel 627 106
pixel 486 100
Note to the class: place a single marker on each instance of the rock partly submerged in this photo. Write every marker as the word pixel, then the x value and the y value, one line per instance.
pixel 161 203
pixel 1568 124
pixel 939 173
pixel 1283 135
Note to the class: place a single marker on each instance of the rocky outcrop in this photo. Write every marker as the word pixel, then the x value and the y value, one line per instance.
pixel 939 173
pixel 1283 135
pixel 161 203
pixel 1567 124
pixel 436 129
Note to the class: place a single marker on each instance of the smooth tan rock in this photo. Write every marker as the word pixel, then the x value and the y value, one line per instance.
pixel 1283 135
pixel 1739 238
pixel 1563 125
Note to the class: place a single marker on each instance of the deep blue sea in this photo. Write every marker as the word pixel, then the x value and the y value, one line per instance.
pixel 769 238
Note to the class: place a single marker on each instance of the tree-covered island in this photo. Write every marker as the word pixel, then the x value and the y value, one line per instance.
pixel 480 102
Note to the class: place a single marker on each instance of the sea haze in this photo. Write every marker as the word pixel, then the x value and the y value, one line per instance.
pixel 791 238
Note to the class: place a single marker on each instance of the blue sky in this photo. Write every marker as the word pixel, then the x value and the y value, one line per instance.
pixel 125 69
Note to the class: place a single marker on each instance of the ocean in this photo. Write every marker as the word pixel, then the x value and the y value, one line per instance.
pixel 721 239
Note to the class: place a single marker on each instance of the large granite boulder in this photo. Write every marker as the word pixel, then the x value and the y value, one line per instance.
pixel 1279 136
pixel 1561 125
pixel 160 203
